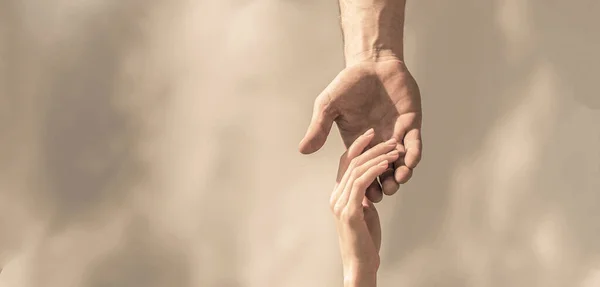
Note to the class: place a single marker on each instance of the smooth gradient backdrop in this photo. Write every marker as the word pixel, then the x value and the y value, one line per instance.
pixel 154 143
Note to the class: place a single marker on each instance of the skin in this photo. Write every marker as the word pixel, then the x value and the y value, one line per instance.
pixel 375 89
pixel 357 220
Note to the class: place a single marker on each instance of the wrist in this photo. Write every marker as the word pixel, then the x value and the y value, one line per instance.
pixel 360 279
pixel 364 275
pixel 373 30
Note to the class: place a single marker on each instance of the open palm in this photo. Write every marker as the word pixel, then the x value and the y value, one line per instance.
pixel 381 95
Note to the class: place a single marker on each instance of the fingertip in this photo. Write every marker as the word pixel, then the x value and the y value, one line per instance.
pixel 414 150
pixel 305 148
pixel 412 158
pixel 312 142
pixel 374 193
pixel 301 148
pixel 360 143
pixel 375 196
pixel 403 174
pixel 389 185
pixel 394 155
pixel 384 163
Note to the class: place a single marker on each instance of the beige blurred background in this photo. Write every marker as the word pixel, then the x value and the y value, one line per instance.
pixel 153 143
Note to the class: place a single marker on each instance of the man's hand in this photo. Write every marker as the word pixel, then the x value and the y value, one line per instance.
pixel 357 221
pixel 380 94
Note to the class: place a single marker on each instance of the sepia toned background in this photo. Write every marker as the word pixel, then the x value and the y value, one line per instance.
pixel 154 143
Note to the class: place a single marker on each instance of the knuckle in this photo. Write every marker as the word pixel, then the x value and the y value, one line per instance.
pixel 350 215
pixel 360 171
pixel 332 201
pixel 360 159
pixel 354 173
pixel 337 210
pixel 359 182
pixel 324 103
pixel 345 216
pixel 321 100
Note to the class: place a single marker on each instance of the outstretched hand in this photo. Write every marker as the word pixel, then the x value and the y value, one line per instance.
pixel 357 221
pixel 382 95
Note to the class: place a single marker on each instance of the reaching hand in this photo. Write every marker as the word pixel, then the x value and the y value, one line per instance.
pixel 357 220
pixel 383 95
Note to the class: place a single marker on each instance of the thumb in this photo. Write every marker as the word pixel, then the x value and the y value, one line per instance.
pixel 320 126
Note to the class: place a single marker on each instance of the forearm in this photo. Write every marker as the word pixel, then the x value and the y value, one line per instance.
pixel 372 29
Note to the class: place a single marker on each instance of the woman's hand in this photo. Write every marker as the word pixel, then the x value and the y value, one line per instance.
pixel 357 220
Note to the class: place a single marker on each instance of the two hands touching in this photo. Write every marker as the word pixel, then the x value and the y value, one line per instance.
pixel 376 104
pixel 378 94
pixel 384 98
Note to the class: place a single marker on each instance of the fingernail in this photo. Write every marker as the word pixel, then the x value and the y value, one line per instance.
pixel 392 141
pixel 393 153
pixel 384 163
pixel 369 132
